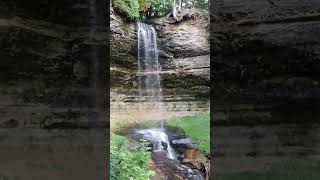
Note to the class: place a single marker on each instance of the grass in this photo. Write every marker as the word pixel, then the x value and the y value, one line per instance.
pixel 196 127
pixel 151 123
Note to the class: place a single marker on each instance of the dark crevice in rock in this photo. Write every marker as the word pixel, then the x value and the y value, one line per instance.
pixel 11 123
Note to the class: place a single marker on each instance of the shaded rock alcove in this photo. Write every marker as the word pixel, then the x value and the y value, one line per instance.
pixel 53 89
pixel 265 86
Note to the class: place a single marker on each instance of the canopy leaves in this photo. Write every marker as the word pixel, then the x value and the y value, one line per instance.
pixel 141 9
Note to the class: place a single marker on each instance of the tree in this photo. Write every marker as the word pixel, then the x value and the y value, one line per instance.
pixel 129 8
pixel 154 8
pixel 177 7
pixel 201 4
pixel 141 9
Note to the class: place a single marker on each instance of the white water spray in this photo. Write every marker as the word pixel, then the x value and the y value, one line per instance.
pixel 157 138
pixel 149 69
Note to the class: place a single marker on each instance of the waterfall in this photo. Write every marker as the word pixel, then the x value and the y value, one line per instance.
pixel 149 69
pixel 157 137
pixel 150 86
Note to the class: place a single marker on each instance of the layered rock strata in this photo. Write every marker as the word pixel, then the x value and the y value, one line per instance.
pixel 184 59
pixel 265 86
pixel 53 89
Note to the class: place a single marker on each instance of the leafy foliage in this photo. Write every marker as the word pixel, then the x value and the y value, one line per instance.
pixel 130 8
pixel 127 163
pixel 201 4
pixel 160 7
pixel 139 9
pixel 144 5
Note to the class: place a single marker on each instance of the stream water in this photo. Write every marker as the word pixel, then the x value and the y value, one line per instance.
pixel 160 141
pixel 167 160
pixel 170 161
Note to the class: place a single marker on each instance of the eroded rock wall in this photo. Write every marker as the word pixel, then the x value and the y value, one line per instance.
pixel 184 58
pixel 53 69
pixel 265 86
pixel 50 62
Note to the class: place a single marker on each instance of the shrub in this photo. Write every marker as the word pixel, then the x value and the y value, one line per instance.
pixel 127 163
pixel 130 8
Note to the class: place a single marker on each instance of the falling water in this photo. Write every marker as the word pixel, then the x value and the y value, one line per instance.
pixel 149 68
pixel 157 137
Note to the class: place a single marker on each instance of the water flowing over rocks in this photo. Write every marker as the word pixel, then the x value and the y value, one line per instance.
pixel 265 87
pixel 184 59
pixel 171 160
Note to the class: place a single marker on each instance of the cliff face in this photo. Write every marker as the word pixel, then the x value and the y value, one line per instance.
pixel 184 59
pixel 265 56
pixel 266 51
pixel 52 79
pixel 49 57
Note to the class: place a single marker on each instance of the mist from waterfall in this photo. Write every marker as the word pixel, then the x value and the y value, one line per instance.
pixel 149 69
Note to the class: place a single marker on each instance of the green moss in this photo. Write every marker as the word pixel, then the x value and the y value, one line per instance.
pixel 196 127
pixel 129 8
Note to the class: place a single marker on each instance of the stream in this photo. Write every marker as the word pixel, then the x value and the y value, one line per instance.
pixel 173 155
pixel 178 160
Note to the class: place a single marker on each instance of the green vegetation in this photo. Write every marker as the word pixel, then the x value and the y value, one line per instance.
pixel 154 8
pixel 196 127
pixel 129 8
pixel 126 163
pixel 200 4
pixel 141 9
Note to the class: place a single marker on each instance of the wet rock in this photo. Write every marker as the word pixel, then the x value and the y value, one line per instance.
pixel 178 177
pixel 182 141
pixel 192 162
pixel 188 143
pixel 190 153
pixel 168 167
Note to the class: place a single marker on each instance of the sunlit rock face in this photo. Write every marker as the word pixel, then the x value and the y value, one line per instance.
pixel 184 59
pixel 265 56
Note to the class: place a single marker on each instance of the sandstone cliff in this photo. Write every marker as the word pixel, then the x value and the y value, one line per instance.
pixel 52 62
pixel 52 89
pixel 265 86
pixel 184 58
